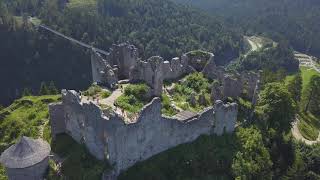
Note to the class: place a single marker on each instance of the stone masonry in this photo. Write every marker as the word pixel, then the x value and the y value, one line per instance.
pixel 108 136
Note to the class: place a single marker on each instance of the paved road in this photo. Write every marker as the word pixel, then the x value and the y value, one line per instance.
pixel 296 134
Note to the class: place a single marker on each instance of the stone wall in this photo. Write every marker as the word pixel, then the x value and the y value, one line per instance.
pixel 102 72
pixel 107 136
pixel 150 72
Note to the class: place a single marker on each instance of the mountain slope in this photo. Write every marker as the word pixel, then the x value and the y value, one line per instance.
pixel 296 21
pixel 155 27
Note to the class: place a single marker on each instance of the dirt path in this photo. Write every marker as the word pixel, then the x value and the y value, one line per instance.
pixel 296 134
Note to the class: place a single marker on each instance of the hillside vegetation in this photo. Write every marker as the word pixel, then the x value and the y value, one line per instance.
pixel 155 27
pixel 295 21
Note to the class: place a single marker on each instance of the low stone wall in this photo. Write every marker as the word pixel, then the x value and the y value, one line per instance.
pixel 109 137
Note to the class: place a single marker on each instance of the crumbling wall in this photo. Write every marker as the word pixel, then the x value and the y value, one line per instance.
pixel 109 137
pixel 150 72
pixel 125 56
pixel 102 71
pixel 225 117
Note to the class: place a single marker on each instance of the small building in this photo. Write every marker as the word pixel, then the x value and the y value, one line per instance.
pixel 26 160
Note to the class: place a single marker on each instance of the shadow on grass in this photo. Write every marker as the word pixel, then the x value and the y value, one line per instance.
pixel 78 163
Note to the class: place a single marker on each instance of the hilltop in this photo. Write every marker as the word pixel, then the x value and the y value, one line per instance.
pixel 156 27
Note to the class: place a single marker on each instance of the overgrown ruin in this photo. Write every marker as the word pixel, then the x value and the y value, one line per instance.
pixel 110 134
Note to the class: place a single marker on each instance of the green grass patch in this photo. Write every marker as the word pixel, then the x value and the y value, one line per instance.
pixel 306 74
pixel 23 118
pixel 95 90
pixel 78 164
pixel 195 84
pixel 309 126
pixel 167 108
pixel 134 97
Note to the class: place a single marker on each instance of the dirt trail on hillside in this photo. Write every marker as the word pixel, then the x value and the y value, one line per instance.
pixel 296 134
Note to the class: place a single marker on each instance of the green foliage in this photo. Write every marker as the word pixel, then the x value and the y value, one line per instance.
pixel 209 157
pixel 79 164
pixel 93 90
pixel 167 108
pixel 294 21
pixel 274 58
pixel 244 109
pixel 134 97
pixel 52 88
pixel 24 117
pixel 196 84
pixel 43 89
pixel 309 125
pixel 277 106
pixel 26 92
pixel 105 94
pixel 312 95
pixel 139 91
pixel 306 162
pixel 252 161
pixel 295 87
pixel 3 173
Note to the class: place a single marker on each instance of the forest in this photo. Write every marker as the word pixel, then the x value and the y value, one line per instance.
pixel 35 64
pixel 296 21
pixel 155 27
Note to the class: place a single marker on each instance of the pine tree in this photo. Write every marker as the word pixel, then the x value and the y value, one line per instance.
pixel 43 89
pixel 26 92
pixel 313 94
pixel 295 87
pixel 52 88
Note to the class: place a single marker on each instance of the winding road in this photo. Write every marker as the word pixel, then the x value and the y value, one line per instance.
pixel 298 136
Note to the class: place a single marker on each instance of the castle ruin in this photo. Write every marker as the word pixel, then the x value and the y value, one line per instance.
pixel 124 141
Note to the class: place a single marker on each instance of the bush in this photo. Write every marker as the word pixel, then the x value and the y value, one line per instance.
pixel 92 90
pixel 137 90
pixel 134 98
pixel 105 94
pixel 167 109
pixel 193 83
pixel 79 163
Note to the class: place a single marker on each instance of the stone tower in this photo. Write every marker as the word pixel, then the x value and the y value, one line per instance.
pixel 26 160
